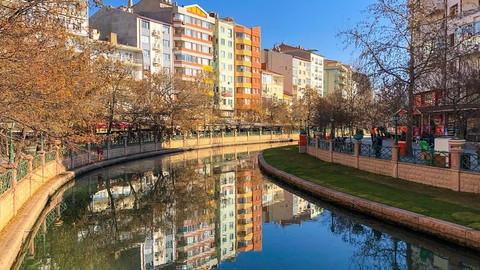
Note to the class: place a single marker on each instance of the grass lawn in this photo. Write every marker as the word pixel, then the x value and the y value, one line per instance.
pixel 456 207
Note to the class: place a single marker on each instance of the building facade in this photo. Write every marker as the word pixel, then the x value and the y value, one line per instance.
pixel 192 35
pixel 275 61
pixel 272 86
pixel 247 71
pixel 153 37
pixel 224 63
pixel 309 66
pixel 337 78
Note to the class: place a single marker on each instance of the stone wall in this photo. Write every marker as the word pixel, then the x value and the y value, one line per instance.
pixel 451 178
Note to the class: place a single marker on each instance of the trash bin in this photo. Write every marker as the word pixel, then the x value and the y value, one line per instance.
pixel 402 145
pixel 303 140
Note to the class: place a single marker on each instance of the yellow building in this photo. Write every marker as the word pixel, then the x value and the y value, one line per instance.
pixel 338 77
pixel 272 85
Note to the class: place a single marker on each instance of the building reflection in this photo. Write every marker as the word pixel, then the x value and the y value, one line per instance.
pixel 285 208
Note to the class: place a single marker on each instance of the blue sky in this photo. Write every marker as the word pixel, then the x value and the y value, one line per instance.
pixel 310 23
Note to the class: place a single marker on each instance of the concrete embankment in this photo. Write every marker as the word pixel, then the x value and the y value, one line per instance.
pixel 451 232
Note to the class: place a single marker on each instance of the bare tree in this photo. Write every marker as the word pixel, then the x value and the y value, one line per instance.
pixel 388 51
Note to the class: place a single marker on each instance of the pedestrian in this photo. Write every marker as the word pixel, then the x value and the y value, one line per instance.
pixel 372 134
pixel 378 145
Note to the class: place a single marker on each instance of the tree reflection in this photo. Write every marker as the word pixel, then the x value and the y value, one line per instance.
pixel 373 249
pixel 116 218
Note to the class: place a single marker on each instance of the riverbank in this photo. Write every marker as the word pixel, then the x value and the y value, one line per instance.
pixel 447 214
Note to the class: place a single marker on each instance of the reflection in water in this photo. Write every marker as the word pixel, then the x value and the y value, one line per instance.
pixel 213 208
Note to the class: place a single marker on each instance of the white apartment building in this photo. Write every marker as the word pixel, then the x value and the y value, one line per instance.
pixel 301 75
pixel 153 37
pixel 316 72
pixel 308 69
pixel 223 65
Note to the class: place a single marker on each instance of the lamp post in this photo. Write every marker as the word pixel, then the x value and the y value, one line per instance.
pixel 40 143
pixel 331 129
pixel 11 153
pixel 396 116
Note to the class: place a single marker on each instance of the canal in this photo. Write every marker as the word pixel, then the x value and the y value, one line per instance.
pixel 213 208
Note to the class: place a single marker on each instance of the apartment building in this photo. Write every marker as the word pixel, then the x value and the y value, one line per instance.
pixel 247 70
pixel 74 16
pixel 272 86
pixel 192 35
pixel 445 107
pixel 130 56
pixel 223 66
pixel 153 37
pixel 280 63
pixel 308 66
pixel 337 78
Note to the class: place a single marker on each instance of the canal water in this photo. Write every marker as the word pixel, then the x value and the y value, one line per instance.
pixel 213 208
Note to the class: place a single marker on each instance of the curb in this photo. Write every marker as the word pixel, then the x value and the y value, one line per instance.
pixel 458 234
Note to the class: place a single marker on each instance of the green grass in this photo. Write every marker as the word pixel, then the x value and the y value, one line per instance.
pixel 455 207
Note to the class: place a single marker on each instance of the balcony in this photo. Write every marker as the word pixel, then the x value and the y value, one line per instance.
pixel 243 41
pixel 243 52
pixel 243 84
pixel 244 73
pixel 243 63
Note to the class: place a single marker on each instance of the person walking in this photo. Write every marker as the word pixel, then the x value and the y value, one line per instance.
pixel 378 142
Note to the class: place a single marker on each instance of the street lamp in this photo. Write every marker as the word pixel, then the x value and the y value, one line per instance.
pixel 11 153
pixel 331 129
pixel 396 117
pixel 40 142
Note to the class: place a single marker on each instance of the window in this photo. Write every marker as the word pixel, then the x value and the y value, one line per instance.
pixel 166 57
pixel 166 29
pixel 229 33
pixel 222 41
pixel 146 53
pixel 230 43
pixel 145 39
pixel 145 25
pixel 454 10
pixel 222 54
pixel 166 43
pixel 222 29
pixel 230 55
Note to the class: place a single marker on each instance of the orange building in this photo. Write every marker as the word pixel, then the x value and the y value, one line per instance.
pixel 248 79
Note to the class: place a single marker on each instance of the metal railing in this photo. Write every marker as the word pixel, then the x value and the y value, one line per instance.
pixel 343 147
pixel 36 161
pixel 440 159
pixel 324 145
pixel 50 156
pixel 22 170
pixel 311 142
pixel 6 181
pixel 375 151
pixel 470 162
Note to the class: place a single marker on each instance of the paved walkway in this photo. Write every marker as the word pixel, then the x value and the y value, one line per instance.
pixel 17 230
